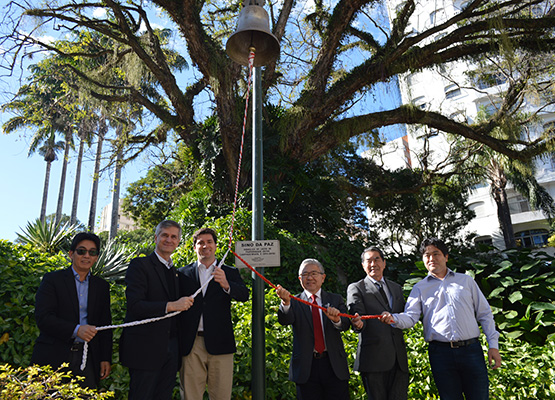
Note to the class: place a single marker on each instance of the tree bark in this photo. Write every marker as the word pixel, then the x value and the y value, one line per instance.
pixel 45 192
pixel 73 218
pixel 63 178
pixel 499 194
pixel 103 128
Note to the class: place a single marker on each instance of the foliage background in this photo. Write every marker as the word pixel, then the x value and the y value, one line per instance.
pixel 528 370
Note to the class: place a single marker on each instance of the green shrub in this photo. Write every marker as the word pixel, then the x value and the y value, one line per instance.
pixel 41 383
pixel 21 269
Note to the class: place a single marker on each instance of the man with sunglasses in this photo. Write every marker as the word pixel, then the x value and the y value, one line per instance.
pixel 69 305
pixel 319 363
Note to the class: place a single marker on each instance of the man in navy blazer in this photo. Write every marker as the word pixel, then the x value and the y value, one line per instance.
pixel 151 350
pixel 69 305
pixel 319 373
pixel 207 340
pixel 381 354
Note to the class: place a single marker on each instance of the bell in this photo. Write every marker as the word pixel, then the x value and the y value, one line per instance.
pixel 253 30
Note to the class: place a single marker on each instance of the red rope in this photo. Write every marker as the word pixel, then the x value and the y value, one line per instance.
pixel 296 298
pixel 249 81
pixel 251 65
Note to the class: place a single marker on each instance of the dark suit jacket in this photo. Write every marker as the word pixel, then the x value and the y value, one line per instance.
pixel 300 316
pixel 214 306
pixel 378 344
pixel 57 315
pixel 147 292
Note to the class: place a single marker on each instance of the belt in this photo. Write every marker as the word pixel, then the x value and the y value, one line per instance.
pixel 320 355
pixel 200 333
pixel 456 345
pixel 77 346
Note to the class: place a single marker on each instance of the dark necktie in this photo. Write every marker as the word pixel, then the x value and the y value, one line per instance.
pixel 319 344
pixel 382 292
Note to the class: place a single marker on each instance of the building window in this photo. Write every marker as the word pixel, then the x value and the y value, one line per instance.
pixel 434 15
pixel 420 102
pixel 490 80
pixel 452 91
pixel 518 204
pixel 532 238
pixel 486 240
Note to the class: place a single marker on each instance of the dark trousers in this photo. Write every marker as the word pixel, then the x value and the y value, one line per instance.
pixel 75 360
pixel 460 370
pixel 386 385
pixel 322 383
pixel 156 384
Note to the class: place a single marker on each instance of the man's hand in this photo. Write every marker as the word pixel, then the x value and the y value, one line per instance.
pixel 333 314
pixel 219 276
pixel 494 358
pixel 86 332
pixel 357 322
pixel 105 369
pixel 387 318
pixel 182 304
pixel 284 295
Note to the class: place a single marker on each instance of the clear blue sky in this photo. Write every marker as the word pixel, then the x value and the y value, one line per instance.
pixel 22 181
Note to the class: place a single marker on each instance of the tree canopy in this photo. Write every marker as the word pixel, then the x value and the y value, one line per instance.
pixel 332 56
pixel 324 92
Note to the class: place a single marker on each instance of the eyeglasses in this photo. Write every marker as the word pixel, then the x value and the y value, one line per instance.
pixel 312 274
pixel 81 251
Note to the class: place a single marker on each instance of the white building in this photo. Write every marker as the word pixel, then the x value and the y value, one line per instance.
pixel 449 90
pixel 124 222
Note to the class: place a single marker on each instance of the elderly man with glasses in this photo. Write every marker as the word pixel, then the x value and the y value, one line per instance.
pixel 319 364
pixel 69 305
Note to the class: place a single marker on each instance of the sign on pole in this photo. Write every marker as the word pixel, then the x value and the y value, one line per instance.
pixel 258 253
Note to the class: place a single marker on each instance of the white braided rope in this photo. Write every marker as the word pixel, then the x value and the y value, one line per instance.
pixel 148 320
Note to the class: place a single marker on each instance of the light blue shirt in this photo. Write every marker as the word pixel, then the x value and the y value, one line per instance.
pixel 83 298
pixel 451 308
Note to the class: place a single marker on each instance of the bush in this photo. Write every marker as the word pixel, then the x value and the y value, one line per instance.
pixel 527 371
pixel 42 382
pixel 21 269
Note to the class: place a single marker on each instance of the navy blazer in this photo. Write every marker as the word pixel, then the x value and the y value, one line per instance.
pixel 300 316
pixel 147 292
pixel 378 344
pixel 57 315
pixel 214 306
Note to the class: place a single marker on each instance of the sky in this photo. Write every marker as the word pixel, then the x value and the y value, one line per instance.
pixel 22 177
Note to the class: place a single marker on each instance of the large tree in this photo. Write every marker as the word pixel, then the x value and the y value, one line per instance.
pixel 332 58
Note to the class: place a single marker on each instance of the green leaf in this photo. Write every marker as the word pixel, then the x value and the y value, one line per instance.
pixel 495 292
pixel 515 296
pixel 542 306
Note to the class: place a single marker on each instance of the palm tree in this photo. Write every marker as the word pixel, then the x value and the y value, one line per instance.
pixel 102 130
pixel 48 150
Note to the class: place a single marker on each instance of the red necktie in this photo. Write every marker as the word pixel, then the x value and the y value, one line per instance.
pixel 319 344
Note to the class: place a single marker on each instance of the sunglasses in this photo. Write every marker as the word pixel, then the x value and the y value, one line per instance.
pixel 81 251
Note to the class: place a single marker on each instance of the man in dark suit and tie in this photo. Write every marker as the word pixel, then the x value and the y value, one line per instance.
pixel 207 340
pixel 69 305
pixel 151 350
pixel 381 354
pixel 318 363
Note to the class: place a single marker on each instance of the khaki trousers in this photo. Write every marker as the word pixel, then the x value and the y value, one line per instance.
pixel 202 371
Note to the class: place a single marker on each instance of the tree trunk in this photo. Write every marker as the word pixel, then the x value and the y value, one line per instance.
pixel 96 176
pixel 499 194
pixel 63 179
pixel 45 192
pixel 115 197
pixel 73 218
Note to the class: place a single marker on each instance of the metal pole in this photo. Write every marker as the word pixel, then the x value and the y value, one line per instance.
pixel 258 334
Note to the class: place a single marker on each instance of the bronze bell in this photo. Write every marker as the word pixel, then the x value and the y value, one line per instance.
pixel 253 30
